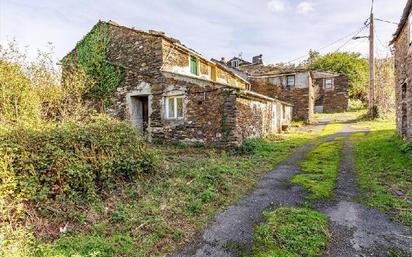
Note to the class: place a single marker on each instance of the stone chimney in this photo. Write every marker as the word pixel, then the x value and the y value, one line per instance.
pixel 155 32
pixel 257 59
pixel 223 59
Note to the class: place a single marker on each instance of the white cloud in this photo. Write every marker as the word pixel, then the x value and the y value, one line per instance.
pixel 276 6
pixel 240 25
pixel 304 7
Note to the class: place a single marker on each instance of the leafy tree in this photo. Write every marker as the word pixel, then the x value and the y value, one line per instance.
pixel 17 103
pixel 351 64
pixel 313 56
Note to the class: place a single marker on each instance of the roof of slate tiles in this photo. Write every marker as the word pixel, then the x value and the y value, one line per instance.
pixel 404 19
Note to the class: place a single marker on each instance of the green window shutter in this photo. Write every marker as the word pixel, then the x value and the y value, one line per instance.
pixel 193 65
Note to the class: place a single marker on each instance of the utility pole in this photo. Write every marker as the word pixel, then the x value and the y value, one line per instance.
pixel 371 106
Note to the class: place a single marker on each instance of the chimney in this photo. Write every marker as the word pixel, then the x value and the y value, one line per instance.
pixel 257 59
pixel 223 59
pixel 155 32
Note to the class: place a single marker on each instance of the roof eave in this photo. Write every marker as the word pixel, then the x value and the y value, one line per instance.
pixel 402 23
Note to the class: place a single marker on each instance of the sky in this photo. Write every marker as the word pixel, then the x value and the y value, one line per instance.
pixel 281 30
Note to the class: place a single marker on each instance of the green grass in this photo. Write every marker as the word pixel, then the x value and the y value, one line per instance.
pixel 158 214
pixel 291 232
pixel 350 115
pixel 384 168
pixel 331 129
pixel 320 170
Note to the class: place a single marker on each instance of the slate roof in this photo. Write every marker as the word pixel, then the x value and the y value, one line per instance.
pixel 404 19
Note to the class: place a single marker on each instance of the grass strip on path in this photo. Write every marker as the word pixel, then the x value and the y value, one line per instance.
pixel 384 169
pixel 291 232
pixel 320 169
pixel 331 128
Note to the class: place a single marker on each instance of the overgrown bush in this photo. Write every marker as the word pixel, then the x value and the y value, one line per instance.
pixel 71 160
pixel 17 102
pixel 356 104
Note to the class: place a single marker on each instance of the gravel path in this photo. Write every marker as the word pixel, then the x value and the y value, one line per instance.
pixel 235 226
pixel 356 229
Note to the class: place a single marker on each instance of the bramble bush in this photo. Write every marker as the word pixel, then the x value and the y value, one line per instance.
pixel 58 158
pixel 71 160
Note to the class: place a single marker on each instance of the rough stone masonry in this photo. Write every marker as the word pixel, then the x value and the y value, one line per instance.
pixel 171 93
pixel 402 42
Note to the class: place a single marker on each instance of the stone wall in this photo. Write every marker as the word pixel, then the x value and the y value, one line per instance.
pixel 140 54
pixel 216 109
pixel 202 120
pixel 335 99
pixel 403 66
pixel 259 69
pixel 253 119
pixel 206 103
pixel 301 98
pixel 177 60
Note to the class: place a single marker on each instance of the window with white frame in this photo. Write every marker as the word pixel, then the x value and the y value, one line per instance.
pixel 174 107
pixel 410 28
pixel 235 63
pixel 328 83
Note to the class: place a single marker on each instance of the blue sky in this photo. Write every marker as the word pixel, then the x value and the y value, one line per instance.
pixel 281 30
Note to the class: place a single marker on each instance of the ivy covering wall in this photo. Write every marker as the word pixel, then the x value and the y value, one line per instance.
pixel 91 56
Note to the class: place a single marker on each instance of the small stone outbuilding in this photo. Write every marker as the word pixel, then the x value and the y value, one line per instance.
pixel 171 93
pixel 402 43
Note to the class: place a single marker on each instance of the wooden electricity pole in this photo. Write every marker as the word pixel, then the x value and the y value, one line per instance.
pixel 371 106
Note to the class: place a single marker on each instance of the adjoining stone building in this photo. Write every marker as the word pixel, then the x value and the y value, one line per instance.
pixel 309 90
pixel 402 42
pixel 172 93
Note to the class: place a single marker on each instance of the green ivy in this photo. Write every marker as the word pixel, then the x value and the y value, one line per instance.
pixel 91 55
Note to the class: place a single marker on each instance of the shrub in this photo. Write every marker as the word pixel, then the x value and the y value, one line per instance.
pixel 17 103
pixel 71 160
pixel 356 104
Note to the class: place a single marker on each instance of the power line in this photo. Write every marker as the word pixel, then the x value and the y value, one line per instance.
pixel 390 22
pixel 347 42
pixel 386 48
pixel 334 42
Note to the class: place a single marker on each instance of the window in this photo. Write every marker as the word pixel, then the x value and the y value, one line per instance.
pixel 290 81
pixel 403 91
pixel 328 83
pixel 174 107
pixel 410 29
pixel 235 63
pixel 274 119
pixel 194 65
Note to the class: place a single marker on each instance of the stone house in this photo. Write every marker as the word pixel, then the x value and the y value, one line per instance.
pixel 308 90
pixel 331 92
pixel 172 93
pixel 402 43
